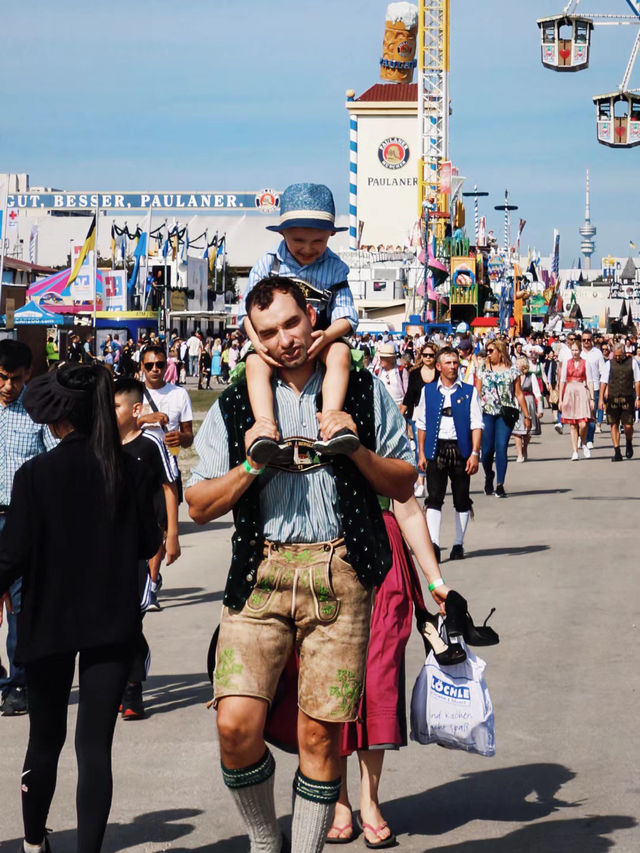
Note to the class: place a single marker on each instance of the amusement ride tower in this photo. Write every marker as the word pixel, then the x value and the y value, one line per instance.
pixel 587 232
pixel 433 103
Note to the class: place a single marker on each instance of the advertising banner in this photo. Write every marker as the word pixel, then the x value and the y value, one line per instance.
pixel 197 280
pixel 115 290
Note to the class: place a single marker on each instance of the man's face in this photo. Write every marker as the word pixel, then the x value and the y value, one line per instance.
pixel 11 383
pixel 619 354
pixel 448 366
pixel 306 244
pixel 388 362
pixel 154 365
pixel 285 329
pixel 587 342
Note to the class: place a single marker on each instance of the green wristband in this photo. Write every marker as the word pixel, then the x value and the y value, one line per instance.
pixel 436 584
pixel 251 470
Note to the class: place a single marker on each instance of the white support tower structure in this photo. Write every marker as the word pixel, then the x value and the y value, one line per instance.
pixel 433 98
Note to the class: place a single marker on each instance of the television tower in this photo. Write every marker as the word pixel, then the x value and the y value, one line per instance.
pixel 588 232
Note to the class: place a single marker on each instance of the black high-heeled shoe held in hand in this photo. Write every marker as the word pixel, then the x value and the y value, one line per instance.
pixel 458 622
pixel 446 655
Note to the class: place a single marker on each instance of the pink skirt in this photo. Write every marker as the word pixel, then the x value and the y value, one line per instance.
pixel 576 404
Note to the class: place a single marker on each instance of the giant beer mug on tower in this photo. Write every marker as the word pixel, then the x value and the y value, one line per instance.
pixel 399 44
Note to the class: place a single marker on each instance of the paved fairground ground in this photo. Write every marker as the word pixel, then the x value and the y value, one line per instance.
pixel 558 561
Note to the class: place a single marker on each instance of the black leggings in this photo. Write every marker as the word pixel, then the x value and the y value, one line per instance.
pixel 103 675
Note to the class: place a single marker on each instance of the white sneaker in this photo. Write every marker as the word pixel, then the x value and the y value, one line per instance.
pixel 598 428
pixel 520 459
pixel 587 452
pixel 579 443
pixel 590 445
pixel 574 456
pixel 418 490
pixel 558 428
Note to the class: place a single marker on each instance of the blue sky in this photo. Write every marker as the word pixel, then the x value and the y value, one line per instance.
pixel 213 94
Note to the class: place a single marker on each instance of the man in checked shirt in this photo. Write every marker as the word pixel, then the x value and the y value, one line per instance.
pixel 20 439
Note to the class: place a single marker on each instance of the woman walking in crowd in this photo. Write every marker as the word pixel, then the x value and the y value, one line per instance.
pixel 422 372
pixel 576 403
pixel 381 723
pixel 550 379
pixel 171 373
pixel 81 600
pixel 216 360
pixel 204 366
pixel 502 399
pixel 531 390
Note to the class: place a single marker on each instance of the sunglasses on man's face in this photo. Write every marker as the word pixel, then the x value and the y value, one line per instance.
pixel 152 365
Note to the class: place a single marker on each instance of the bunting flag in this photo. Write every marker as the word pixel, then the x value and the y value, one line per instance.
pixel 112 243
pixel 184 254
pixel 222 245
pixel 174 245
pixel 88 246
pixel 140 252
pixel 632 245
pixel 212 256
pixel 206 247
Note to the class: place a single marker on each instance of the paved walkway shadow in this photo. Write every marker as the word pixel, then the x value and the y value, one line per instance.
pixel 519 794
pixel 186 528
pixel 181 596
pixel 164 693
pixel 511 550
pixel 161 827
pixel 581 835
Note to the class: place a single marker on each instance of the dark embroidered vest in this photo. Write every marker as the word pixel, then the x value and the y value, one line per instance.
pixel 361 518
pixel 621 378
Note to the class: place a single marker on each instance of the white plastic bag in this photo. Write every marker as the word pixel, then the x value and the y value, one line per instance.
pixel 451 706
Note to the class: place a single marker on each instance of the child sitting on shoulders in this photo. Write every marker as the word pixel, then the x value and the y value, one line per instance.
pixel 307 216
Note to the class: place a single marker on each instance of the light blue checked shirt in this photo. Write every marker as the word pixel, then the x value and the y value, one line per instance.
pixel 20 440
pixel 299 507
pixel 323 273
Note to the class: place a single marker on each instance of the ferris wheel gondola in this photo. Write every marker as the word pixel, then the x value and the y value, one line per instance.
pixel 566 40
pixel 566 43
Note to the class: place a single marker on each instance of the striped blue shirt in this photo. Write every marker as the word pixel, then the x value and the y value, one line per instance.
pixel 326 271
pixel 299 507
pixel 20 440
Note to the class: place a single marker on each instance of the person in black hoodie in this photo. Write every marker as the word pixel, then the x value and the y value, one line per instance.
pixel 78 557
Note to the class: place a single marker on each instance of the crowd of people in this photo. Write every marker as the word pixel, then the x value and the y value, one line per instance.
pixel 320 447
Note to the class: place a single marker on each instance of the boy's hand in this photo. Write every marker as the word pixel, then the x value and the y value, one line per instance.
pixel 172 548
pixel 263 352
pixel 320 341
pixel 422 462
pixel 154 418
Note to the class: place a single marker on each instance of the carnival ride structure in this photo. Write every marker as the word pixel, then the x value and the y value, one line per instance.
pixel 566 45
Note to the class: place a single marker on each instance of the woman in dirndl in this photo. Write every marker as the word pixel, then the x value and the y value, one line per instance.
pixel 382 718
pixel 531 390
pixel 576 402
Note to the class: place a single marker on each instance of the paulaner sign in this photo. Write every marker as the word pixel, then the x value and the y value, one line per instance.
pixel 227 201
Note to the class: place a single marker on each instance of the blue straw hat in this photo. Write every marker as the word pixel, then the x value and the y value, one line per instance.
pixel 307 206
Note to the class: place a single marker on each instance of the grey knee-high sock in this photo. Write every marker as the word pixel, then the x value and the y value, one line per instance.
pixel 312 812
pixel 252 791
